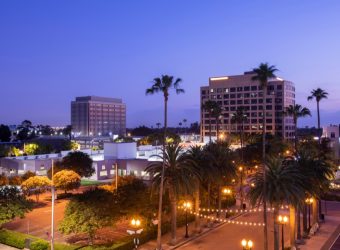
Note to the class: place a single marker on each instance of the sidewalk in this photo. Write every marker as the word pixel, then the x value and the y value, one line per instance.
pixel 5 247
pixel 323 238
pixel 180 236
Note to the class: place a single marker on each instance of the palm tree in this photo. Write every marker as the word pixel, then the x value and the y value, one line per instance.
pixel 216 113
pixel 179 171
pixel 284 185
pixel 262 74
pixel 318 94
pixel 163 85
pixel 239 117
pixel 196 154
pixel 158 124
pixel 221 169
pixel 210 107
pixel 185 126
pixel 180 125
pixel 296 111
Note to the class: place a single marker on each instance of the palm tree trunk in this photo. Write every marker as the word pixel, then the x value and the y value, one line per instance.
pixel 219 196
pixel 265 228
pixel 304 219
pixel 298 221
pixel 172 198
pixel 210 127
pixel 292 227
pixel 217 129
pixel 315 212
pixel 295 137
pixel 318 110
pixel 160 203
pixel 276 229
pixel 197 206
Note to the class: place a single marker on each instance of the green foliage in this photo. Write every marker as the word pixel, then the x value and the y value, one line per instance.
pixel 66 180
pixel 3 180
pixel 88 211
pixel 4 150
pixel 16 239
pixel 12 204
pixel 36 184
pixel 27 175
pixel 31 149
pixel 79 162
pixel 124 139
pixel 157 139
pixel 39 245
pixel 14 180
pixel 5 133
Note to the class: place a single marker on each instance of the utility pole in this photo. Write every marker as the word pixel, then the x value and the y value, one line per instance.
pixel 116 165
pixel 52 222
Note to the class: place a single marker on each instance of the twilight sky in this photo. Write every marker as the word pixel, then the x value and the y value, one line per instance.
pixel 52 51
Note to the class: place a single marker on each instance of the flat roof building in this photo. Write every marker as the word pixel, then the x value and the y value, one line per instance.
pixel 236 91
pixel 98 116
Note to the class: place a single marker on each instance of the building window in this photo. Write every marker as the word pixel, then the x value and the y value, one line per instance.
pixel 232 96
pixel 253 87
pixel 239 89
pixel 246 88
pixel 232 89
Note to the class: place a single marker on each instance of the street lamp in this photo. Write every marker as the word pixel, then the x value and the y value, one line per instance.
pixel 187 206
pixel 135 223
pixel 247 244
pixel 283 220
pixel 226 191
pixel 241 186
pixel 309 202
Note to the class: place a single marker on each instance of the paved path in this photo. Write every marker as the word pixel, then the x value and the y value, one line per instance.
pixel 5 247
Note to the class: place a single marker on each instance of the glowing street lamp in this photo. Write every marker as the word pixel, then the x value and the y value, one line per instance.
pixel 226 191
pixel 282 220
pixel 247 244
pixel 135 223
pixel 309 202
pixel 187 206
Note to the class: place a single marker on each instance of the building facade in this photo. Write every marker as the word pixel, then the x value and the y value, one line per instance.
pixel 236 91
pixel 98 116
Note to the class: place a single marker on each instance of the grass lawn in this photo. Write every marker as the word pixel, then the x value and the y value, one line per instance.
pixel 89 182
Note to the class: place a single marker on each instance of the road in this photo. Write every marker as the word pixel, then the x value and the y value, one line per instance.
pixel 229 236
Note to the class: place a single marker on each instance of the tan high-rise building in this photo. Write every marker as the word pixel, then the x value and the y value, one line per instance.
pixel 236 91
pixel 98 116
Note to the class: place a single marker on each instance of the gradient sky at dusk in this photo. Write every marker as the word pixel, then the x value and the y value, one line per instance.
pixel 52 51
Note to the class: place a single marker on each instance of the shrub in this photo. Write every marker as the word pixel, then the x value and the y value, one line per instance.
pixel 39 245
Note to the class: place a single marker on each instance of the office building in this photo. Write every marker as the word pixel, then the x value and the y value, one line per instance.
pixel 236 91
pixel 98 116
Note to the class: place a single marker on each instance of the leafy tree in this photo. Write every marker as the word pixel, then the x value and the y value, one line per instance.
pixel 284 185
pixel 25 130
pixel 66 180
pixel 142 131
pixel 296 111
pixel 89 211
pixel 27 175
pixel 239 117
pixel 5 133
pixel 36 184
pixel 214 110
pixel 14 180
pixel 68 131
pixel 3 180
pixel 262 74
pixel 163 85
pixel 79 162
pixel 4 150
pixel 318 94
pixel 12 204
pixel 45 129
pixel 179 170
pixel 32 149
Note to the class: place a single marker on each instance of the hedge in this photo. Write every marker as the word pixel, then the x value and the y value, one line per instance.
pixel 16 239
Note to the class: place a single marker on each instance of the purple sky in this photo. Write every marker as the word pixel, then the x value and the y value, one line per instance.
pixel 52 51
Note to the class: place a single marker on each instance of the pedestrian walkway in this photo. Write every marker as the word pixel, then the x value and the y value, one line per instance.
pixel 323 238
pixel 5 247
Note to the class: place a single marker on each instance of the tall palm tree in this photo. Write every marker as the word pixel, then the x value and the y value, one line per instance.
pixel 219 158
pixel 284 185
pixel 296 111
pixel 210 107
pixel 216 113
pixel 163 85
pixel 196 154
pixel 262 74
pixel 178 172
pixel 158 124
pixel 318 94
pixel 239 117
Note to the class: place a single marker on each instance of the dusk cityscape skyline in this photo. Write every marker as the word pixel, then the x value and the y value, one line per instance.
pixel 56 52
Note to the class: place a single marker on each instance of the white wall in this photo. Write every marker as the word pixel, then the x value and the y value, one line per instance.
pixel 120 150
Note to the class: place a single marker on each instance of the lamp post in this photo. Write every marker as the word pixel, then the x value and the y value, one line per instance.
pixel 247 244
pixel 135 223
pixel 187 206
pixel 282 220
pixel 241 186
pixel 309 202
pixel 52 209
pixel 226 191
